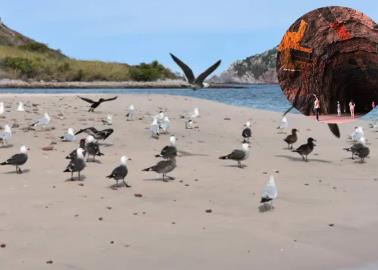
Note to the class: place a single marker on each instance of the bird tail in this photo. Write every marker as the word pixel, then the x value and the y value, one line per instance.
pixel 109 176
pixel 100 154
pixel 265 199
pixel 67 170
pixel 347 149
pixel 147 169
pixel 158 155
pixel 80 131
pixel 223 157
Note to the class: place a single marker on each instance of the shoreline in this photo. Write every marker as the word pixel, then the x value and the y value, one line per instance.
pixel 169 84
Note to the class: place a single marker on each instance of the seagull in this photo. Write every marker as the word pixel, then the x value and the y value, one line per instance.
pixel 238 154
pixel 18 159
pixel 189 124
pixel 269 192
pixel 43 121
pixel 169 151
pixel 20 107
pixel 247 132
pixel 97 134
pixel 6 134
pixel 164 125
pixel 357 134
pixel 292 138
pixel 108 120
pixel 130 113
pixel 284 123
pixel 163 167
pixel 360 150
pixel 120 172
pixel 155 129
pixel 77 164
pixel 195 83
pixel 92 148
pixel 69 136
pixel 73 154
pixel 159 117
pixel 95 104
pixel 2 109
pixel 195 114
pixel 305 149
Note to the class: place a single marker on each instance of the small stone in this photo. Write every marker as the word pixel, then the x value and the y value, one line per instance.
pixel 109 207
pixel 3 245
pixel 138 195
pixel 331 224
pixel 111 242
pixel 135 214
pixel 277 171
pixel 209 211
pixel 306 184
pixel 265 172
pixel 187 185
pixel 49 262
pixel 227 118
pixel 100 218
pixel 81 184
pixel 173 223
pixel 53 186
pixel 77 215
pixel 48 148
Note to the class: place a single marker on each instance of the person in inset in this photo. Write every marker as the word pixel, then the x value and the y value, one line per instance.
pixel 373 105
pixel 338 108
pixel 352 105
pixel 317 107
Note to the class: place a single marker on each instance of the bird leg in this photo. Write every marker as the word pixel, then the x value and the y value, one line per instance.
pixel 164 177
pixel 72 178
pixel 126 185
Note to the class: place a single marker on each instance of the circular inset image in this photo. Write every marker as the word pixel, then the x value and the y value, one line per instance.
pixel 327 64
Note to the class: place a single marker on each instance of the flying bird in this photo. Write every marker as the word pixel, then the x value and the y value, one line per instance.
pixel 169 151
pixel 238 154
pixel 69 136
pixel 247 132
pixel 76 164
pixel 195 83
pixel 5 135
pixel 43 121
pixel 305 149
pixel 163 167
pixel 18 159
pixel 292 138
pixel 269 192
pixel 120 172
pixel 97 134
pixel 95 104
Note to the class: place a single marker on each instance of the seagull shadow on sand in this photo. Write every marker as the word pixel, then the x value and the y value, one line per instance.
pixel 14 172
pixel 119 186
pixel 235 166
pixel 76 179
pixel 300 159
pixel 266 207
pixel 188 154
pixel 160 179
pixel 6 146
pixel 106 144
pixel 94 161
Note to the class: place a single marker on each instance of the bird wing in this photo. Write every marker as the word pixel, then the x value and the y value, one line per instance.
pixel 87 100
pixel 207 72
pixel 334 129
pixel 187 71
pixel 288 110
pixel 17 159
pixel 237 154
pixel 269 191
pixel 110 99
pixel 106 133
pixel 90 130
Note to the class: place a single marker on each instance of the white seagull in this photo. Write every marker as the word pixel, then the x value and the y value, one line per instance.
pixel 69 136
pixel 357 134
pixel 130 113
pixel 20 107
pixel 165 124
pixel 5 135
pixel 2 109
pixel 155 130
pixel 269 192
pixel 108 120
pixel 284 123
pixel 43 122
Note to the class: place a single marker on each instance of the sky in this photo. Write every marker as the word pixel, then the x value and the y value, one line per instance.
pixel 133 31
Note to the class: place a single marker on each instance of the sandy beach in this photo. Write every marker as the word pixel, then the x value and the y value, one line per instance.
pixel 324 216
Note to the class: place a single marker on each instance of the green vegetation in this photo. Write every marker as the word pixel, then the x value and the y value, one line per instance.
pixel 23 58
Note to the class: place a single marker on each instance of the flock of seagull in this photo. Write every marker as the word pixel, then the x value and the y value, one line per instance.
pixel 89 147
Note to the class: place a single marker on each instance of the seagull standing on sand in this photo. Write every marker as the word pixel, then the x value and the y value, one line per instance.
pixel 108 120
pixel 305 149
pixel 269 192
pixel 195 114
pixel 284 123
pixel 120 172
pixel 2 109
pixel 169 151
pixel 247 132
pixel 238 154
pixel 164 125
pixel 360 150
pixel 69 136
pixel 92 148
pixel 5 135
pixel 292 138
pixel 357 134
pixel 95 104
pixel 155 129
pixel 77 164
pixel 195 83
pixel 18 159
pixel 189 124
pixel 42 122
pixel 130 113
pixel 163 167
pixel 20 107
pixel 73 154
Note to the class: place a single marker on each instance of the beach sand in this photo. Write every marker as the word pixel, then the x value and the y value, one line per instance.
pixel 325 216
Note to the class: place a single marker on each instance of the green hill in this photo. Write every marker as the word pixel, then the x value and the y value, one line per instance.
pixel 26 59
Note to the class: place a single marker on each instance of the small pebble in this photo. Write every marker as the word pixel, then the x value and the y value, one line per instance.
pixel 49 262
pixel 3 245
pixel 138 195
pixel 100 218
pixel 209 210
pixel 331 224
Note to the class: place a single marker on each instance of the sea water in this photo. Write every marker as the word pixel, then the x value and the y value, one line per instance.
pixel 265 97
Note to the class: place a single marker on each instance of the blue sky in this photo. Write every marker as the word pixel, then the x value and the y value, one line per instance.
pixel 134 31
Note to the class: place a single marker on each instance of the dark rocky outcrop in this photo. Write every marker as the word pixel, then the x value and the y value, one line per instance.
pixel 331 52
